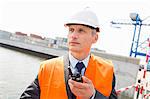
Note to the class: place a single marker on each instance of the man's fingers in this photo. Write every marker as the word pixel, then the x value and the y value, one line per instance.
pixel 85 89
pixel 86 80
pixel 69 82
pixel 74 88
pixel 76 84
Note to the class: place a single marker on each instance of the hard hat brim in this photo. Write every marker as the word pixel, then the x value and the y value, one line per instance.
pixel 97 28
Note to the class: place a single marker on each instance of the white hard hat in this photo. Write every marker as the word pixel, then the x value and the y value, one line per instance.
pixel 85 17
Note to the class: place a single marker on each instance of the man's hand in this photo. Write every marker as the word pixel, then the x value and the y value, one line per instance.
pixel 84 90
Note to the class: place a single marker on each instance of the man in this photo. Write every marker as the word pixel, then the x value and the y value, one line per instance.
pixel 53 80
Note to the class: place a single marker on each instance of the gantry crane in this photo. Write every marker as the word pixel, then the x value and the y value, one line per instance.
pixel 137 22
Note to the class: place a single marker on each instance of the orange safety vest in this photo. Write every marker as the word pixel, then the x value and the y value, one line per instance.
pixel 52 79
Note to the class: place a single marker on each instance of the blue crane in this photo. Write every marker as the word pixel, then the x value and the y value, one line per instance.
pixel 137 22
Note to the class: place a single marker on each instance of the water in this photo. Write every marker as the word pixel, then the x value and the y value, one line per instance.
pixel 17 71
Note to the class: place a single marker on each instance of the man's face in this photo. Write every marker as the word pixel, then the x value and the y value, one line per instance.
pixel 80 38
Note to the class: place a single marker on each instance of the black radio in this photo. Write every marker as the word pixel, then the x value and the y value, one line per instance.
pixel 76 76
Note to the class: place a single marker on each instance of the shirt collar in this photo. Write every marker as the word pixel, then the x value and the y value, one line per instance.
pixel 74 61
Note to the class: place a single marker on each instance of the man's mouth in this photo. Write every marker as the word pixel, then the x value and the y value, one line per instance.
pixel 74 43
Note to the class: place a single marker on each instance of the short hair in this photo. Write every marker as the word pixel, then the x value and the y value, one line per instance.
pixel 94 31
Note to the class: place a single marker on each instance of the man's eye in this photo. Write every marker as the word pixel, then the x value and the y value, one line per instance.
pixel 81 30
pixel 71 30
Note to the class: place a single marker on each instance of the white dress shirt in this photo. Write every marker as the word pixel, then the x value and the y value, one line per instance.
pixel 74 61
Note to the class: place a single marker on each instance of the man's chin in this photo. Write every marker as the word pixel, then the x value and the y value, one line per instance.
pixel 74 49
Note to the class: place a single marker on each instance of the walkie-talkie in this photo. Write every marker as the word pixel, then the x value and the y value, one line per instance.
pixel 76 76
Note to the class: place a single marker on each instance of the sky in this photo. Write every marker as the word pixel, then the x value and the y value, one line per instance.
pixel 47 17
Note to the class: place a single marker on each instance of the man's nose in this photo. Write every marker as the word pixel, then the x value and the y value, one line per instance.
pixel 74 35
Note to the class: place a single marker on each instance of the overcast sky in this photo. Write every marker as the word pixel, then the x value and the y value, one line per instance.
pixel 46 18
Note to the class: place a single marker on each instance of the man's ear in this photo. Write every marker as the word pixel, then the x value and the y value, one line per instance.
pixel 95 38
